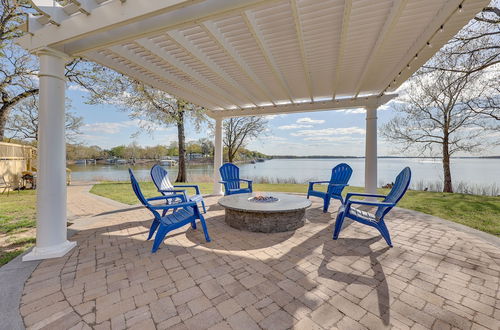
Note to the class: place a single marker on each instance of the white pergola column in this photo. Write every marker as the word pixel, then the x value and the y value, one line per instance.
pixel 51 231
pixel 371 151
pixel 218 154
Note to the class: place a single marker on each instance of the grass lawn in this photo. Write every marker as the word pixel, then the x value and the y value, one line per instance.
pixel 479 212
pixel 17 224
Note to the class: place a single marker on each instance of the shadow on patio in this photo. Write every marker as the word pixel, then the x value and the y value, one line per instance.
pixel 303 279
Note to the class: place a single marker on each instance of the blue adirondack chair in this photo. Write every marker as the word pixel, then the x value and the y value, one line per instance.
pixel 160 178
pixel 383 207
pixel 230 175
pixel 338 181
pixel 185 213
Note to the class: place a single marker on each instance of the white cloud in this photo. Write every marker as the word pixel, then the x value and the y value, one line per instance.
pixel 274 138
pixel 330 131
pixel 307 120
pixel 109 127
pixel 75 87
pixel 333 139
pixel 294 126
pixel 271 117
pixel 354 111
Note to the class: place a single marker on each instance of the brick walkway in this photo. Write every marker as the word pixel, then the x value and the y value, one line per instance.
pixel 434 277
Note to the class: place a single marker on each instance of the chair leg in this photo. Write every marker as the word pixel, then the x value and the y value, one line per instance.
pixel 160 236
pixel 385 232
pixel 338 224
pixel 152 229
pixel 326 203
pixel 205 229
pixel 193 224
pixel 203 205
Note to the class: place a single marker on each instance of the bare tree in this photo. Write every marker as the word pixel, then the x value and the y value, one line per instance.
pixel 152 108
pixel 17 68
pixel 239 131
pixel 438 115
pixel 476 48
pixel 23 121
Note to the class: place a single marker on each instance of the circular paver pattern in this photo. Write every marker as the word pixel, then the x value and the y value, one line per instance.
pixel 436 276
pixel 286 213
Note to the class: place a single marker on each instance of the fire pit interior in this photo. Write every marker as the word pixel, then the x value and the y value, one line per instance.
pixel 263 199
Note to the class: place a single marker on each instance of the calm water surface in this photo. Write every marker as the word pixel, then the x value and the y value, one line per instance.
pixel 469 171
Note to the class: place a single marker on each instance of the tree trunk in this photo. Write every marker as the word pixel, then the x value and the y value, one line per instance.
pixel 4 115
pixel 446 167
pixel 182 174
pixel 230 155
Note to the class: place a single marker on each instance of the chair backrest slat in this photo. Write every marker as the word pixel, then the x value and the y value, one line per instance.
pixel 137 188
pixel 159 175
pixel 340 175
pixel 397 191
pixel 228 172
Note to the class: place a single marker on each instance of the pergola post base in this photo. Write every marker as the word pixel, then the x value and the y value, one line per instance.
pixel 40 253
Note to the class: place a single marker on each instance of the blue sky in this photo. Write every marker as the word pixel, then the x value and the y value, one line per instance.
pixel 339 132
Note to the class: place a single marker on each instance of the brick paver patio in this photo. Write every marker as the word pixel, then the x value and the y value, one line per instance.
pixel 434 277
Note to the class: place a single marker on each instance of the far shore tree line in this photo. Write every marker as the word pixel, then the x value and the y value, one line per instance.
pixel 450 106
pixel 203 147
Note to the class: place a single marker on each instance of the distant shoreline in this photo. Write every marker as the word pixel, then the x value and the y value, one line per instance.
pixel 362 157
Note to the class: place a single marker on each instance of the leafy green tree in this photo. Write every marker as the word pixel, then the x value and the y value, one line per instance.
pixel 118 152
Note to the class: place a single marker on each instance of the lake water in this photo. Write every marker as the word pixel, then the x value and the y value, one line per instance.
pixel 480 172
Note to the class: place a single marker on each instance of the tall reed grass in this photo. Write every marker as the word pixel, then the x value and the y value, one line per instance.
pixel 436 186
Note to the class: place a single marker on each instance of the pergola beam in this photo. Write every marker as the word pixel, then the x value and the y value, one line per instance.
pixel 361 102
pixel 103 18
pixel 196 53
pixel 158 51
pixel 103 60
pixel 217 36
pixel 393 79
pixel 343 35
pixel 154 69
pixel 253 28
pixel 389 24
pixel 300 38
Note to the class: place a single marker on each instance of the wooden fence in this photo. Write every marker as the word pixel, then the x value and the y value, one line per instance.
pixel 14 160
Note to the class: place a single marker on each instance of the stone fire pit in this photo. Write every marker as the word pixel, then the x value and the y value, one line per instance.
pixel 265 212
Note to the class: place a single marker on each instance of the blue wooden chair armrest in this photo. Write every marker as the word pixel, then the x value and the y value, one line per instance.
pixel 371 203
pixel 337 184
pixel 318 182
pixel 171 206
pixel 349 195
pixel 158 198
pixel 234 180
pixel 171 191
pixel 196 188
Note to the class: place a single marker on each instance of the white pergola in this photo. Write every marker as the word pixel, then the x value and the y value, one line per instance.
pixel 235 58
